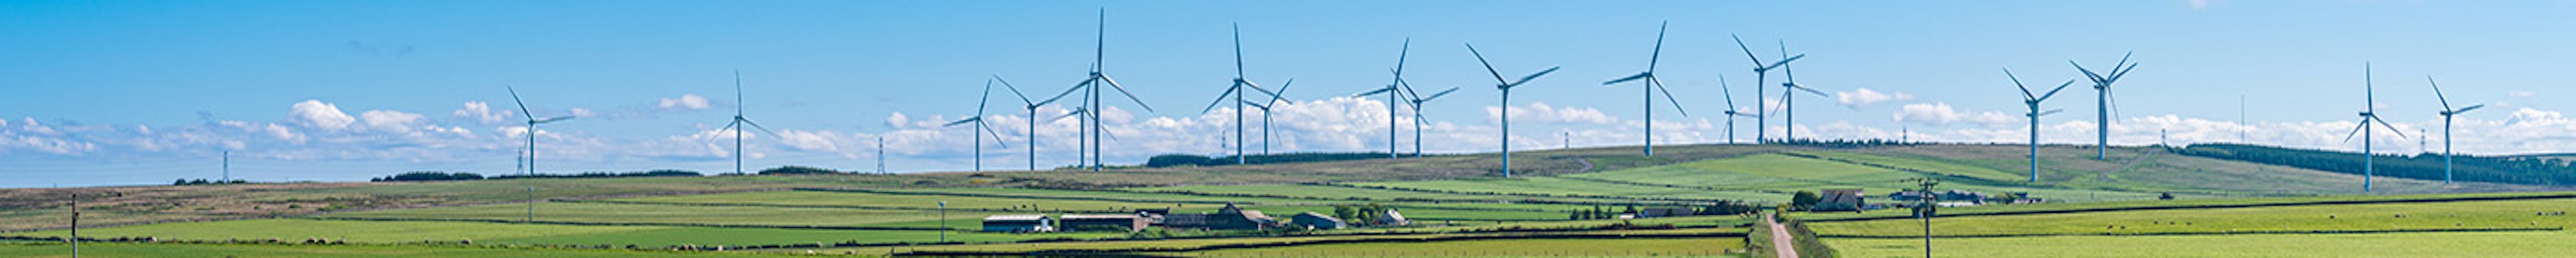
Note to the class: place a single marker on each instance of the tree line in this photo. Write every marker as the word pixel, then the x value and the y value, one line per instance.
pixel 1168 160
pixel 2427 166
pixel 416 176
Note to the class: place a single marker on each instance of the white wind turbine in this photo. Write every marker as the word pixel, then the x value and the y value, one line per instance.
pixel 1506 86
pixel 980 127
pixel 2447 113
pixel 2369 114
pixel 739 122
pixel 1652 85
pixel 2032 101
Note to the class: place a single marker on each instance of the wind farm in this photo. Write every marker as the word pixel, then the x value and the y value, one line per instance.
pixel 1914 153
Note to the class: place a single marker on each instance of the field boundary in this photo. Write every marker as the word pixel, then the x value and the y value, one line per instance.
pixel 571 223
pixel 1133 252
pixel 2561 195
pixel 2230 232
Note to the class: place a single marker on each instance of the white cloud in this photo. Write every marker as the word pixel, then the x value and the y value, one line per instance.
pixel 1863 97
pixel 390 121
pixel 1941 114
pixel 685 102
pixel 480 112
pixel 316 114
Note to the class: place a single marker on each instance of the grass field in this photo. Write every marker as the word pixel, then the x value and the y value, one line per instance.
pixel 2393 216
pixel 2466 244
pixel 1644 247
pixel 402 232
pixel 248 250
pixel 894 201
pixel 667 214
pixel 1551 186
pixel 1183 244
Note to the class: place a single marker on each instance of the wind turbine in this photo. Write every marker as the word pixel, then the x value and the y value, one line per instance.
pixel 1092 85
pixel 1761 73
pixel 1653 85
pixel 1731 113
pixel 2032 101
pixel 2447 113
pixel 1506 86
pixel 532 127
pixel 1416 101
pixel 1236 91
pixel 1033 120
pixel 2369 114
pixel 1788 105
pixel 1391 98
pixel 2104 103
pixel 1265 113
pixel 739 121
pixel 980 126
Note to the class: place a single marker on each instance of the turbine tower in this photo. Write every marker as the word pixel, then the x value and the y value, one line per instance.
pixel 1788 105
pixel 1391 99
pixel 532 127
pixel 2104 103
pixel 1761 75
pixel 2368 114
pixel 2447 113
pixel 1653 85
pixel 2032 101
pixel 1032 107
pixel 1506 86
pixel 739 121
pixel 1416 100
pixel 1731 112
pixel 980 128
pixel 1265 112
pixel 1236 91
pixel 1092 98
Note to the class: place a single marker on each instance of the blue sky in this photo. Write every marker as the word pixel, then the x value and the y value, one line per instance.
pixel 130 92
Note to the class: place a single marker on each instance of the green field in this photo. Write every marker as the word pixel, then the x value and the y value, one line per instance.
pixel 2392 216
pixel 1642 247
pixel 261 250
pixel 402 232
pixel 893 201
pixel 2472 244
pixel 1551 186
pixel 668 214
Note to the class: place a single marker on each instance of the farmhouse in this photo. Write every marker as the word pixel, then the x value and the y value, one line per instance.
pixel 1393 219
pixel 1312 220
pixel 1019 223
pixel 1229 217
pixel 1119 222
pixel 1840 200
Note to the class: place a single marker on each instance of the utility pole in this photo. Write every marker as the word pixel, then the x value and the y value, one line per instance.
pixel 228 167
pixel 532 206
pixel 881 156
pixel 1924 208
pixel 75 207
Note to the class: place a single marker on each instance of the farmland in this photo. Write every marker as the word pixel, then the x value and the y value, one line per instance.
pixel 1456 211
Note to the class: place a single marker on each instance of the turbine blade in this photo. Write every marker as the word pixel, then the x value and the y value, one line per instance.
pixel 2392 128
pixel 1748 53
pixel 1437 95
pixel 1375 92
pixel 523 105
pixel 2437 92
pixel 997 136
pixel 987 98
pixel 964 121
pixel 1220 99
pixel 1076 111
pixel 1811 90
pixel 1015 90
pixel 1668 96
pixel 1489 66
pixel 756 125
pixel 1257 87
pixel 1283 90
pixel 1724 91
pixel 1068 91
pixel 2115 75
pixel 1113 84
pixel 2356 130
pixel 1658 55
pixel 2466 109
pixel 1254 105
pixel 2025 90
pixel 1784 62
pixel 2088 73
pixel 1534 76
pixel 1640 75
pixel 2050 112
pixel 551 119
pixel 2053 92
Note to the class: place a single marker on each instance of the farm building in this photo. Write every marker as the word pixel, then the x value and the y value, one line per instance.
pixel 1841 200
pixel 1121 222
pixel 1229 217
pixel 1393 219
pixel 1666 212
pixel 1312 220
pixel 1019 223
pixel 1946 196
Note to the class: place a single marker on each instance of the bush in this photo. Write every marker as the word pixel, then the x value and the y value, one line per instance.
pixel 797 170
pixel 428 176
pixel 1805 199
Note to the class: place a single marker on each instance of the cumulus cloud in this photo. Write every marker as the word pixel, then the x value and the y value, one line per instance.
pixel 1863 97
pixel 1942 114
pixel 480 112
pixel 390 121
pixel 684 102
pixel 316 114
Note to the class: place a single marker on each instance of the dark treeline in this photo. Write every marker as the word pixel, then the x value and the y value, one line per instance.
pixel 1167 160
pixel 1845 143
pixel 453 176
pixel 202 181
pixel 2518 170
pixel 797 170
